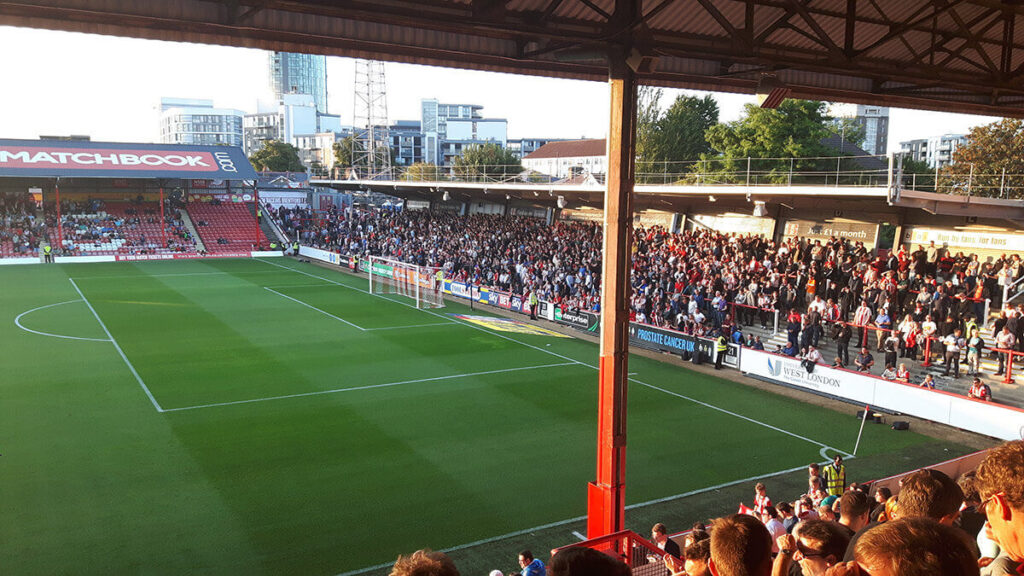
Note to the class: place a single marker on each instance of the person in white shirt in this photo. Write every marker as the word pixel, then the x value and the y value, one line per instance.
pixel 775 527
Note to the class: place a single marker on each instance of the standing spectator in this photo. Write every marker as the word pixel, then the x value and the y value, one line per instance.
pixel 915 546
pixel 975 348
pixel 761 499
pixel 740 546
pixel 854 511
pixel 835 476
pixel 424 563
pixel 775 527
pixel 816 545
pixel 843 342
pixel 864 360
pixel 1005 340
pixel 861 319
pixel 789 520
pixel 531 566
pixel 884 322
pixel 953 343
pixel 1000 484
pixel 581 561
pixel 697 557
pixel 659 535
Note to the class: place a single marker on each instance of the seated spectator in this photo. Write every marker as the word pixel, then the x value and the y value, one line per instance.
pixel 980 391
pixel 914 546
pixel 740 546
pixel 864 361
pixel 928 382
pixel 854 511
pixel 581 561
pixel 838 363
pixel 771 520
pixel 903 374
pixel 882 497
pixel 424 563
pixel 812 358
pixel 790 350
pixel 889 373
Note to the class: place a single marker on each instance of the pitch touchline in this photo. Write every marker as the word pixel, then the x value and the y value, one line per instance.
pixel 368 387
pixel 581 518
pixel 676 394
pixel 17 322
pixel 118 348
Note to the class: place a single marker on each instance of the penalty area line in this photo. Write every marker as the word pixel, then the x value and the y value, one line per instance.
pixel 367 387
pixel 118 348
pixel 311 307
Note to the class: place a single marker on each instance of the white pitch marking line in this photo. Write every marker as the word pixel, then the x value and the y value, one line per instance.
pixel 579 536
pixel 581 518
pixel 17 322
pixel 413 326
pixel 310 306
pixel 368 387
pixel 118 348
pixel 684 397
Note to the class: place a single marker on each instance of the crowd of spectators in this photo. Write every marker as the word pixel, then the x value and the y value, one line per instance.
pixel 704 282
pixel 23 229
pixel 932 526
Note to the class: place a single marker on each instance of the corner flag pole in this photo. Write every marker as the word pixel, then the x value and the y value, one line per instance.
pixel 863 420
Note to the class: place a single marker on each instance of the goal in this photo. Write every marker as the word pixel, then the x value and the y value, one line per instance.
pixel 418 283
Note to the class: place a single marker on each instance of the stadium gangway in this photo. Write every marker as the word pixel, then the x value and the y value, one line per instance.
pixel 642 556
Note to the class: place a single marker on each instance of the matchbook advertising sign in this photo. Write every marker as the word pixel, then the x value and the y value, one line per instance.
pixel 48 159
pixel 986 418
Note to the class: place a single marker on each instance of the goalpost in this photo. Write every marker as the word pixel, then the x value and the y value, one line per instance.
pixel 419 283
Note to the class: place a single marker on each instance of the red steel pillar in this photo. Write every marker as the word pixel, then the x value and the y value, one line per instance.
pixel 606 496
pixel 60 224
pixel 163 221
pixel 256 202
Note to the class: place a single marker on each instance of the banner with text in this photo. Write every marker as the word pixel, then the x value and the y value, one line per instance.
pixel 986 418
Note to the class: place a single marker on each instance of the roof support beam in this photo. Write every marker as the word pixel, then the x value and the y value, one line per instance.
pixel 606 497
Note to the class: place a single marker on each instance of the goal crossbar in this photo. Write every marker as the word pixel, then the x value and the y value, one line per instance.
pixel 418 283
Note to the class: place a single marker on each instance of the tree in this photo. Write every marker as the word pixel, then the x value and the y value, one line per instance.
pixel 677 136
pixel 917 174
pixel 422 172
pixel 346 151
pixel 277 156
pixel 991 149
pixel 486 162
pixel 788 138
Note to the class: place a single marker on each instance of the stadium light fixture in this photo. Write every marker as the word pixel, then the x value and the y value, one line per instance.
pixel 760 209
pixel 771 92
pixel 711 198
pixel 446 196
pixel 561 201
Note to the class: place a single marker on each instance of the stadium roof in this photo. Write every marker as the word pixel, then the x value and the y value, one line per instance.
pixel 952 55
pixel 77 159
pixel 570 149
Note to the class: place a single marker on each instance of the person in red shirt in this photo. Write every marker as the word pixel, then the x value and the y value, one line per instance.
pixel 980 391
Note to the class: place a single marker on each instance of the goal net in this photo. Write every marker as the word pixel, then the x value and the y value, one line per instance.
pixel 418 283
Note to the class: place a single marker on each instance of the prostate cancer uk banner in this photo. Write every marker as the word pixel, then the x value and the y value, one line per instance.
pixel 60 158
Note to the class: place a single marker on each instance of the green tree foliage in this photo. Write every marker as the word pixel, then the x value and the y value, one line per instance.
pixel 666 140
pixel 783 143
pixel 346 151
pixel 990 149
pixel 422 172
pixel 917 175
pixel 277 156
pixel 486 162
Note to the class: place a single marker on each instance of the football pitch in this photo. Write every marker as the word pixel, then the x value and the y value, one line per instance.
pixel 271 417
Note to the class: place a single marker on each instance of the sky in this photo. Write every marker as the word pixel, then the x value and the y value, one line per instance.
pixel 109 88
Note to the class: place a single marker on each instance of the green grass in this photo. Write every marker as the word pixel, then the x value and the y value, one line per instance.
pixel 294 443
